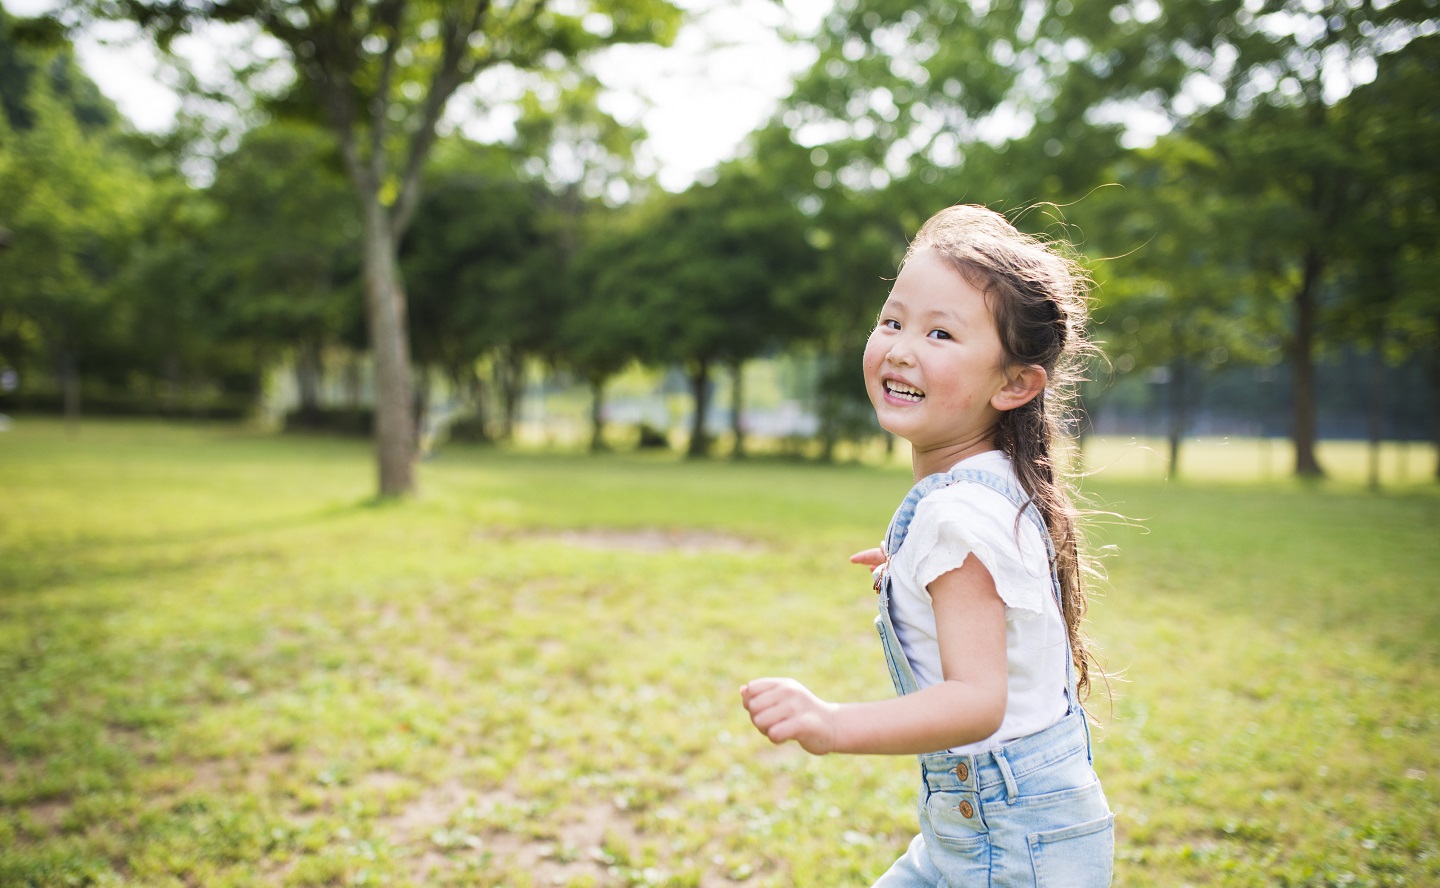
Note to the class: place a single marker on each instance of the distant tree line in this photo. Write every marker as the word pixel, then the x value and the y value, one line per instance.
pixel 1284 217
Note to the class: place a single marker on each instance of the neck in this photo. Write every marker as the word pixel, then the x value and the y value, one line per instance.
pixel 939 459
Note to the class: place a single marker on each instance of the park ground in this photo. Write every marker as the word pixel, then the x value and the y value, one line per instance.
pixel 222 663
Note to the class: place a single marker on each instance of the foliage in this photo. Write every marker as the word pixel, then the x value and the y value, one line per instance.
pixel 1393 124
pixel 1288 205
pixel 855 238
pixel 29 50
pixel 225 665
pixel 927 102
pixel 486 270
pixel 281 268
pixel 71 205
pixel 1178 296
pixel 184 337
pixel 1001 103
pixel 1291 154
pixel 381 75
pixel 706 277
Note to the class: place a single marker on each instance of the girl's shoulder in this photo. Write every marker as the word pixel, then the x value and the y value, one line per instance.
pixel 971 516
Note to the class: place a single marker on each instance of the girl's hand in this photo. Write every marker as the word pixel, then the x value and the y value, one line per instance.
pixel 784 709
pixel 871 558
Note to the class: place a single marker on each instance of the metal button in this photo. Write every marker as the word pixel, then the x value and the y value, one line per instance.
pixel 967 810
pixel 963 772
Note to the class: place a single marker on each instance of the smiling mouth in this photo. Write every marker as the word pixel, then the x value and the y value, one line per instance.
pixel 903 392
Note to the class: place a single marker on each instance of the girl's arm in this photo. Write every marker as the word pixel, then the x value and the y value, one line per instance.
pixel 967 706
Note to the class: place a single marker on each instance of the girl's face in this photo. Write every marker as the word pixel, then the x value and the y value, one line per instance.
pixel 934 363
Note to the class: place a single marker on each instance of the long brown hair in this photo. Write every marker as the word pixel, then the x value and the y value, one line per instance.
pixel 1037 295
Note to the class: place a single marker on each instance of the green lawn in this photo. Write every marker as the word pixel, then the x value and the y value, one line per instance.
pixel 221 664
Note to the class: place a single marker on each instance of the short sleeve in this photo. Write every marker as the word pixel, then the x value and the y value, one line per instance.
pixel 966 518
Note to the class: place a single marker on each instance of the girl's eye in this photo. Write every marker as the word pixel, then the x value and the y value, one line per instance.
pixel 940 334
pixel 890 323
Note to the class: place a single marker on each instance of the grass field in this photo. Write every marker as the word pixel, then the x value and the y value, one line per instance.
pixel 221 664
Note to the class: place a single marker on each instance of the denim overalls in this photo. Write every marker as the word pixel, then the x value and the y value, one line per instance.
pixel 1028 813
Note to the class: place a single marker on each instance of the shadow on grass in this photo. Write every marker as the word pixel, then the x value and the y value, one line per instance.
pixel 48 565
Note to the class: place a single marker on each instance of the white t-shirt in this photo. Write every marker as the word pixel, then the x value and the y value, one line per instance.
pixel 950 524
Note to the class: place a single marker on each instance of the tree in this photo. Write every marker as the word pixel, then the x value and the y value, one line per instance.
pixel 859 240
pixel 1007 104
pixel 34 48
pixel 703 275
pixel 605 326
pixel 997 103
pixel 278 250
pixel 852 239
pixel 915 104
pixel 1285 151
pixel 753 236
pixel 382 74
pixel 59 255
pixel 1389 299
pixel 173 335
pixel 71 201
pixel 586 159
pixel 1179 295
pixel 483 268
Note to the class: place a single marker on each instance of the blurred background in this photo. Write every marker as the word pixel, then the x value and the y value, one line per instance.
pixel 475 240
pixel 637 223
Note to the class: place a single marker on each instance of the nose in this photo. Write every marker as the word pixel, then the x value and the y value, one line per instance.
pixel 900 354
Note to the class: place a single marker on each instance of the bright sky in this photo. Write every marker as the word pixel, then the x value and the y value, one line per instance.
pixel 698 99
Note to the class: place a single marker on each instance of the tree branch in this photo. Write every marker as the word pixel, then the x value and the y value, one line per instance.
pixel 321 59
pixel 450 73
pixel 388 16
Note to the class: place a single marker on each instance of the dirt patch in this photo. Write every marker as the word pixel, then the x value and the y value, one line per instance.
pixel 554 854
pixel 579 843
pixel 47 814
pixel 245 774
pixel 643 539
pixel 431 810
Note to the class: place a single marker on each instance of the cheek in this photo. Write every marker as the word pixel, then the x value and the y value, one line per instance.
pixel 874 354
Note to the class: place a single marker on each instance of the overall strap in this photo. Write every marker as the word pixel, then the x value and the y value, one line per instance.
pixel 900 524
pixel 1024 504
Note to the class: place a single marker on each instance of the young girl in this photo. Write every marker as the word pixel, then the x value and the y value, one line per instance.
pixel 980 583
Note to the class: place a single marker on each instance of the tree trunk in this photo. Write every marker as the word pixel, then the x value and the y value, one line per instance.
pixel 467 390
pixel 195 384
pixel 257 392
pixel 307 377
pixel 509 378
pixel 737 407
pixel 700 390
pixel 477 399
pixel 67 369
pixel 1376 413
pixel 1433 366
pixel 1302 360
pixel 390 345
pixel 422 408
pixel 597 413
pixel 1177 415
pixel 352 382
pixel 170 393
pixel 829 404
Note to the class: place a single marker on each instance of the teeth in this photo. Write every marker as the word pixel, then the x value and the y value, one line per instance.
pixel 900 389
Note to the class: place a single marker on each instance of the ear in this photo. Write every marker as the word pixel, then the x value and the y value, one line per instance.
pixel 1023 384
